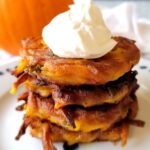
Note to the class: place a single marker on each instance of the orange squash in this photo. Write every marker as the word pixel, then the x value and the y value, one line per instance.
pixel 25 18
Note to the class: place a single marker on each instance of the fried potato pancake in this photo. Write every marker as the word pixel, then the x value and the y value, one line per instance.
pixel 42 63
pixel 86 96
pixel 77 118
pixel 59 134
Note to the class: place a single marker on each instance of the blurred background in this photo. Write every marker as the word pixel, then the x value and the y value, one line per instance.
pixel 20 19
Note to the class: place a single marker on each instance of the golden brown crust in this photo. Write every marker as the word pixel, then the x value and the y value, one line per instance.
pixel 85 120
pixel 59 134
pixel 85 96
pixel 82 114
pixel 88 96
pixel 81 71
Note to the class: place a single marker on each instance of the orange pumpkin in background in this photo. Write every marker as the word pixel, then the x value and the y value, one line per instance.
pixel 25 18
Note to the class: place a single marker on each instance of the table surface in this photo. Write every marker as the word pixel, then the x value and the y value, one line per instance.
pixel 143 6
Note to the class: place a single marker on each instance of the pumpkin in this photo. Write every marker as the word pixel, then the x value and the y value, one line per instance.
pixel 26 18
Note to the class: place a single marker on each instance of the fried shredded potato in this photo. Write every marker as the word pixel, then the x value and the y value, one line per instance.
pixel 59 134
pixel 78 118
pixel 44 64
pixel 86 96
pixel 77 100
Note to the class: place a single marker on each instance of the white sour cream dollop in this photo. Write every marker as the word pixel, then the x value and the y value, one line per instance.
pixel 79 32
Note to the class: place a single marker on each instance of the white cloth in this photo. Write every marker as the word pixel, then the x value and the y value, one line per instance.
pixel 121 20
pixel 4 57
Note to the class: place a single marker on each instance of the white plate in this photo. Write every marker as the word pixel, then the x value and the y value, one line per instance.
pixel 10 120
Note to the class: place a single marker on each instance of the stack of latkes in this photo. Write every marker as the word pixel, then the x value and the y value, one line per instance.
pixel 77 100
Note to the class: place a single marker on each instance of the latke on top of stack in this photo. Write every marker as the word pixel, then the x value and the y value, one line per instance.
pixel 78 100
